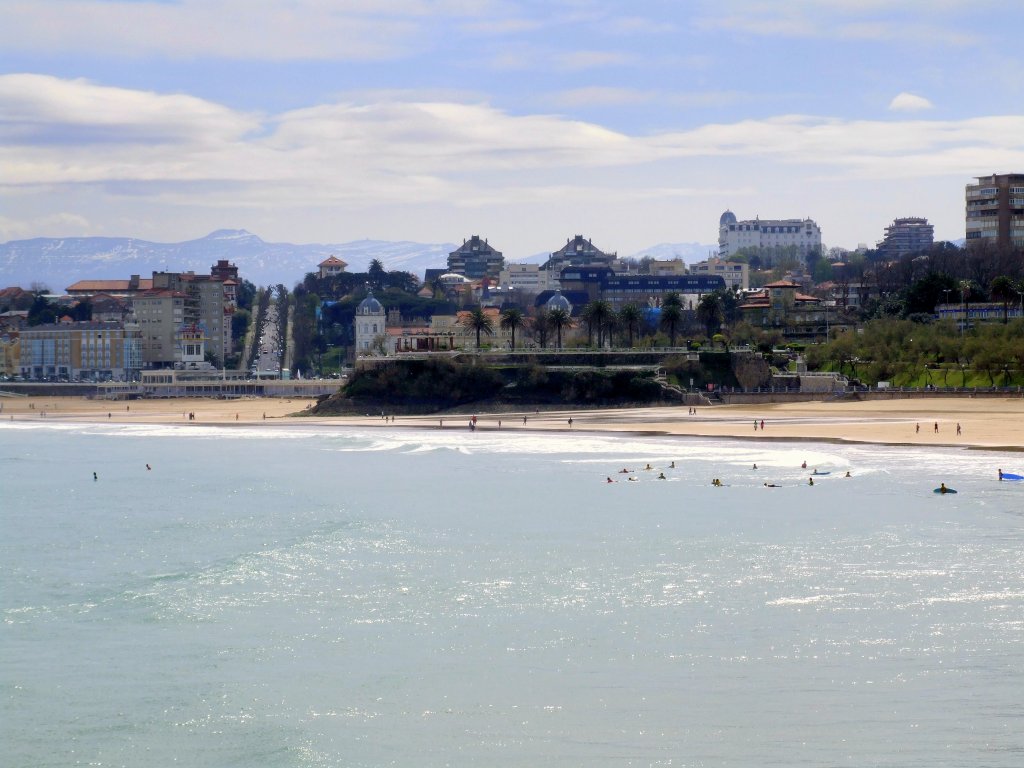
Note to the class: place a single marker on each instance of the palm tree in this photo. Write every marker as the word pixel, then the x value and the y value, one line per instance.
pixel 559 318
pixel 479 321
pixel 671 315
pixel 603 315
pixel 541 327
pixel 1002 289
pixel 376 273
pixel 711 312
pixel 630 317
pixel 511 319
pixel 587 316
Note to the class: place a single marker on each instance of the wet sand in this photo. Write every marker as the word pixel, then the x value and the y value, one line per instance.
pixel 984 422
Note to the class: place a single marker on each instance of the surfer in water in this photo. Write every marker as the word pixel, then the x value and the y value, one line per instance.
pixel 943 488
pixel 1000 475
pixel 810 481
pixel 804 465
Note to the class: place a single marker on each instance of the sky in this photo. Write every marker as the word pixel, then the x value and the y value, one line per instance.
pixel 522 121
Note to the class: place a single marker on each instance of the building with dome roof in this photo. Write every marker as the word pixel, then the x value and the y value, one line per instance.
pixel 769 237
pixel 558 301
pixel 370 324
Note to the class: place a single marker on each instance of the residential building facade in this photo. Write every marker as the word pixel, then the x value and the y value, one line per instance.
pixel 735 274
pixel 772 238
pixel 332 266
pixel 642 290
pixel 907 236
pixel 81 352
pixel 781 305
pixel 577 252
pixel 10 355
pixel 476 259
pixel 370 324
pixel 995 211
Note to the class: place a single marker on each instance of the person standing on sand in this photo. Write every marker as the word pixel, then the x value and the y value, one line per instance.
pixel 936 427
pixel 917 428
pixel 762 425
pixel 958 429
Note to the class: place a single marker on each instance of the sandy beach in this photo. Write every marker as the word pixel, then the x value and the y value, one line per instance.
pixel 995 423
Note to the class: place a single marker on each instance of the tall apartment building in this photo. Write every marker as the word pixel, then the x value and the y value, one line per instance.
pixel 207 303
pixel 906 236
pixel 772 238
pixel 476 259
pixel 577 252
pixel 160 315
pixel 81 352
pixel 995 210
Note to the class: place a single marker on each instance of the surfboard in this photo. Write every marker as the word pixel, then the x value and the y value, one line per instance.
pixel 1011 476
pixel 817 473
pixel 948 490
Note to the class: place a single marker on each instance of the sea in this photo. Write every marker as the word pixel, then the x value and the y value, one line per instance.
pixel 316 596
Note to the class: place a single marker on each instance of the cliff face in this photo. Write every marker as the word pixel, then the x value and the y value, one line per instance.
pixel 435 386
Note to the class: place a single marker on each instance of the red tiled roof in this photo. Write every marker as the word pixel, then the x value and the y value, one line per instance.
pixel 332 261
pixel 782 284
pixel 106 286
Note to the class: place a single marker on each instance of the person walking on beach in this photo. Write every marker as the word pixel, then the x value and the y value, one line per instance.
pixel 917 428
pixel 936 427
pixel 958 429
pixel 762 425
pixel 755 425
pixel 570 422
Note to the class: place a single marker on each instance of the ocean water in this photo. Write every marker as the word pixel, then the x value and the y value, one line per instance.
pixel 390 597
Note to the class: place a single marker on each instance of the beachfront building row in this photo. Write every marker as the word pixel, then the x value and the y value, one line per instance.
pixel 171 307
pixel 80 352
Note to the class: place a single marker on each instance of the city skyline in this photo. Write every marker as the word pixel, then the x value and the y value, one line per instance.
pixel 524 122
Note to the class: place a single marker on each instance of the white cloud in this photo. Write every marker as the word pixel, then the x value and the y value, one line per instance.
pixel 908 102
pixel 232 29
pixel 156 154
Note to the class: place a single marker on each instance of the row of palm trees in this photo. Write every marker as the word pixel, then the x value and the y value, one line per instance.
pixel 600 319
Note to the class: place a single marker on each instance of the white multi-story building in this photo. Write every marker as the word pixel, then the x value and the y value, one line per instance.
pixel 370 325
pixel 735 273
pixel 770 237
pixel 528 278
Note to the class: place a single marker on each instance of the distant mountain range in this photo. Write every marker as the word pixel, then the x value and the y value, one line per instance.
pixel 59 262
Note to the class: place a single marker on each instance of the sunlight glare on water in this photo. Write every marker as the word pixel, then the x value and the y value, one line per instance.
pixel 308 597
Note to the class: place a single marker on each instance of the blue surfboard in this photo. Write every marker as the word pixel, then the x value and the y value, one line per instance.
pixel 948 490
pixel 1011 476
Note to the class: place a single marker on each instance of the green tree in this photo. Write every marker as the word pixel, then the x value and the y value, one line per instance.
pixel 1003 290
pixel 710 312
pixel 477 320
pixel 630 317
pixel 559 318
pixel 511 320
pixel 541 327
pixel 376 273
pixel 598 315
pixel 671 315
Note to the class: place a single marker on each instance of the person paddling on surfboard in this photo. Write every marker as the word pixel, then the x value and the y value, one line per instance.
pixel 943 488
